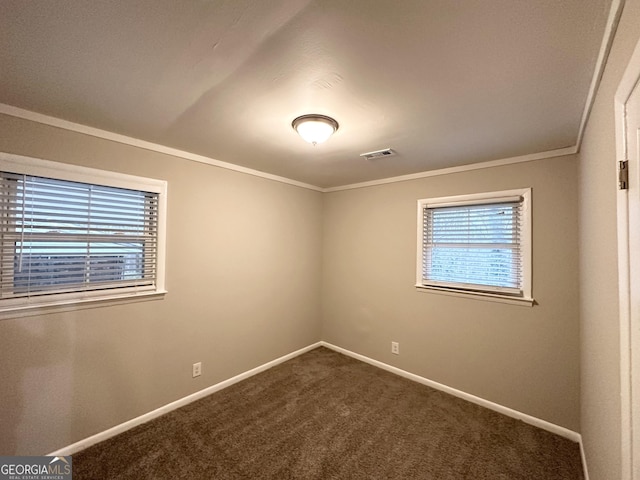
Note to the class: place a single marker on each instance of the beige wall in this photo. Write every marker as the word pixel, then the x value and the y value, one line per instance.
pixel 341 268
pixel 598 265
pixel 243 274
pixel 526 358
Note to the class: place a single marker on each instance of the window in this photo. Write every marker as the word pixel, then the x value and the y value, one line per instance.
pixel 476 244
pixel 72 234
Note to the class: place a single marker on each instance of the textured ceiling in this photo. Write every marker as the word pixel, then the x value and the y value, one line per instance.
pixel 442 82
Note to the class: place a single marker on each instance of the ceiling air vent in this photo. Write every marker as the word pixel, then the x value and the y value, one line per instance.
pixel 386 152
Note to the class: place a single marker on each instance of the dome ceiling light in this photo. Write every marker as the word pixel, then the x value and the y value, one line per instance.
pixel 315 128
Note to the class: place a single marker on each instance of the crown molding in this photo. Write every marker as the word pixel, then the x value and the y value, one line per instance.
pixel 613 20
pixel 615 12
pixel 134 142
pixel 462 168
pixel 116 137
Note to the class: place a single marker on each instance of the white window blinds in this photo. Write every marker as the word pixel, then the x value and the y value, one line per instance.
pixel 474 246
pixel 61 237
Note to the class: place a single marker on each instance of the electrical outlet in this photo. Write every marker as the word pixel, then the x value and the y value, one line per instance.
pixel 395 348
pixel 197 369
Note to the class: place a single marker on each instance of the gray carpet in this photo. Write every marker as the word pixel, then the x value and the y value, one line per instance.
pixel 323 415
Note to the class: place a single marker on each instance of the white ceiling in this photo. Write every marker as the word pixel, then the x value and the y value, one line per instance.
pixel 443 82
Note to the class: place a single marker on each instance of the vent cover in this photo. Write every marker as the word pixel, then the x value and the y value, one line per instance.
pixel 386 152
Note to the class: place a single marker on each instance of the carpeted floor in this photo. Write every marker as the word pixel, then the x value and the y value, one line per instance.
pixel 323 415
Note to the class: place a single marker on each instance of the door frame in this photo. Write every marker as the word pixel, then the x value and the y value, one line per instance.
pixel 630 440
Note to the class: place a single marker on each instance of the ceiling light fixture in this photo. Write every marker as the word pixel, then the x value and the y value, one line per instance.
pixel 315 128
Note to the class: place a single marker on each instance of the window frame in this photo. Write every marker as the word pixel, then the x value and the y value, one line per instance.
pixel 526 297
pixel 22 165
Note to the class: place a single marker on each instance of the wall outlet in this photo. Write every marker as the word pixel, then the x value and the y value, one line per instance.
pixel 395 348
pixel 197 369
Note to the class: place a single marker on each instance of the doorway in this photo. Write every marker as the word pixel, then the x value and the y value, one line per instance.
pixel 627 107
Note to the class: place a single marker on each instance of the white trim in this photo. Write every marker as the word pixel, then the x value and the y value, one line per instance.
pixel 509 412
pixel 615 12
pixel 491 293
pixel 76 173
pixel 134 142
pixel 116 137
pixel 158 412
pixel 123 427
pixel 462 168
pixel 65 301
pixel 583 457
pixel 71 305
pixel 629 79
pixel 605 47
pixel 470 294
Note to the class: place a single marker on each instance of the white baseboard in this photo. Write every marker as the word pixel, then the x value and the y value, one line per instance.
pixel 536 422
pixel 123 427
pixel 584 460
pixel 531 420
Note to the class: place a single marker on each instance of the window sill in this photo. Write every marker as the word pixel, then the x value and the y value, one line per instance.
pixel 489 297
pixel 19 311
